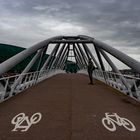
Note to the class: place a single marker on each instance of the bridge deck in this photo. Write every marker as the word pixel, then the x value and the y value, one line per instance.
pixel 71 110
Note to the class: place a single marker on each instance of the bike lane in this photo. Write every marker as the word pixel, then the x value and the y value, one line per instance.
pixel 90 106
pixel 70 110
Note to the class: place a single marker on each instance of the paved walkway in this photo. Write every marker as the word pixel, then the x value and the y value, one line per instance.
pixel 71 110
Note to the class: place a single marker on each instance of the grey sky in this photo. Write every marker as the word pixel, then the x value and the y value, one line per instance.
pixel 116 22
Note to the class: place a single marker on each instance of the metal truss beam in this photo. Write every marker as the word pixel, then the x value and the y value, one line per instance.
pixel 13 61
pixel 80 56
pixel 62 56
pixel 53 57
pixel 58 56
pixel 91 55
pixel 83 55
pixel 71 41
pixel 130 62
pixel 49 58
pixel 77 59
pixel 53 60
pixel 99 58
pixel 114 68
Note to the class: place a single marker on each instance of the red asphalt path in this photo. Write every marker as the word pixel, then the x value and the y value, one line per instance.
pixel 71 110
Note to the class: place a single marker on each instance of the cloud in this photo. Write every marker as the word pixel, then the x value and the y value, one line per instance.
pixel 40 8
pixel 115 22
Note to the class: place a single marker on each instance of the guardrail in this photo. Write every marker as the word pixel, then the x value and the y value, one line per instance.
pixel 115 80
pixel 7 84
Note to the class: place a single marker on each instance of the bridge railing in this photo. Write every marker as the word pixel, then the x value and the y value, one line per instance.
pixel 115 80
pixel 9 89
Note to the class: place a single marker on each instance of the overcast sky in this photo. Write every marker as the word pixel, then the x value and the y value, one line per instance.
pixel 115 22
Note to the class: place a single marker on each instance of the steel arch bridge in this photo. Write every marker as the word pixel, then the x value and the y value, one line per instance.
pixel 55 63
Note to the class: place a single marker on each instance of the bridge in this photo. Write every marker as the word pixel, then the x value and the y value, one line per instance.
pixel 49 103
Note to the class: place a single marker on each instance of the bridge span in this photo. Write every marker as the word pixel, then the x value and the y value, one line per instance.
pixel 42 102
pixel 70 109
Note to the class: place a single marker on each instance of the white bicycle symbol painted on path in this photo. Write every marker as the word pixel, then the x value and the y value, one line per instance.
pixel 20 120
pixel 109 122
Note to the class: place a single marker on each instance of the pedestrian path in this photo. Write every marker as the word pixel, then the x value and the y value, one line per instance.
pixel 65 107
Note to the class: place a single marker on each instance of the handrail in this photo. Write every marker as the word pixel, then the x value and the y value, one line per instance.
pixel 129 76
pixel 7 84
pixel 115 80
pixel 21 74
